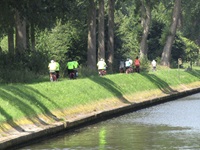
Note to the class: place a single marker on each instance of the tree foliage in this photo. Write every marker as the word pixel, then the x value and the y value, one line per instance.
pixel 128 29
pixel 59 30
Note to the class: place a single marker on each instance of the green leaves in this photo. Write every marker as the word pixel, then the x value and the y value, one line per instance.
pixel 191 50
pixel 128 29
pixel 60 43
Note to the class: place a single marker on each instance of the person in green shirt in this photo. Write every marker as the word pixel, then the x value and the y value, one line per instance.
pixel 76 68
pixel 70 69
pixel 57 69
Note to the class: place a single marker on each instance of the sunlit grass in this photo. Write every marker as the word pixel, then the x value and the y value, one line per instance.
pixel 43 97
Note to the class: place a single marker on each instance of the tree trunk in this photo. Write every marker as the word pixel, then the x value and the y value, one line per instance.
pixel 146 21
pixel 91 53
pixel 111 9
pixel 32 30
pixel 166 55
pixel 101 40
pixel 21 44
pixel 11 41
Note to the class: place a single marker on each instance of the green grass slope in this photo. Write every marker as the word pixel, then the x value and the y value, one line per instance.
pixel 31 100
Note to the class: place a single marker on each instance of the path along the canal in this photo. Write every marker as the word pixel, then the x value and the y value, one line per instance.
pixel 174 125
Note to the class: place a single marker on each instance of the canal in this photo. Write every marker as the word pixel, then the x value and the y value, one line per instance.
pixel 174 125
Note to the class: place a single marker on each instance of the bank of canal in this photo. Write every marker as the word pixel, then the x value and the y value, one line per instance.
pixel 170 125
pixel 29 132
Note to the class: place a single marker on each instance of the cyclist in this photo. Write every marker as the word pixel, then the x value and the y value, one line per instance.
pixel 153 63
pixel 137 65
pixel 52 69
pixel 70 69
pixel 76 68
pixel 57 70
pixel 101 67
pixel 128 65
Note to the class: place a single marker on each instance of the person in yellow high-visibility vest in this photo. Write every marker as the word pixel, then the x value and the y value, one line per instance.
pixel 57 69
pixel 76 68
pixel 70 68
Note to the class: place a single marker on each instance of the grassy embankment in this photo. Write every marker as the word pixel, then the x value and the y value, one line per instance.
pixel 69 97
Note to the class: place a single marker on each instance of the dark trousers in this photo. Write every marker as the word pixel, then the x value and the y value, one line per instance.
pixel 71 73
pixel 137 69
pixel 57 74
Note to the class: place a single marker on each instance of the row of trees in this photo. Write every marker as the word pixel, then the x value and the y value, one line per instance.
pixel 87 30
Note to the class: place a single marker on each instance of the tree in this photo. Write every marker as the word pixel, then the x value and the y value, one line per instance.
pixel 191 19
pixel 91 53
pixel 146 20
pixel 7 23
pixel 166 54
pixel 21 43
pixel 127 30
pixel 101 35
pixel 111 9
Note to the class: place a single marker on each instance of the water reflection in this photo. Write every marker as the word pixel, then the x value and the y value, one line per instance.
pixel 102 138
pixel 171 126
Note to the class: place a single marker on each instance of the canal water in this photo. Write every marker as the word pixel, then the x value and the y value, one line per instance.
pixel 174 125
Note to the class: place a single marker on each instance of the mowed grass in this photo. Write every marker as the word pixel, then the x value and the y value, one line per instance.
pixel 43 97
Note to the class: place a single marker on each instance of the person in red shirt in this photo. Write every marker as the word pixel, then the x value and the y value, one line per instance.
pixel 137 65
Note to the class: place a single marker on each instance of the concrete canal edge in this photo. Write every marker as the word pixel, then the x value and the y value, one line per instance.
pixel 18 140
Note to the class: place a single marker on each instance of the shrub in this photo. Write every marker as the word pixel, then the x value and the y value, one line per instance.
pixel 144 64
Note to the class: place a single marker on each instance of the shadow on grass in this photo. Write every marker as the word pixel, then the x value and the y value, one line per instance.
pixel 110 86
pixel 162 85
pixel 10 119
pixel 23 99
pixel 194 72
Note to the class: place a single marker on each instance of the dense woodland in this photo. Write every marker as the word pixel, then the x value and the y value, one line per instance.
pixel 32 32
